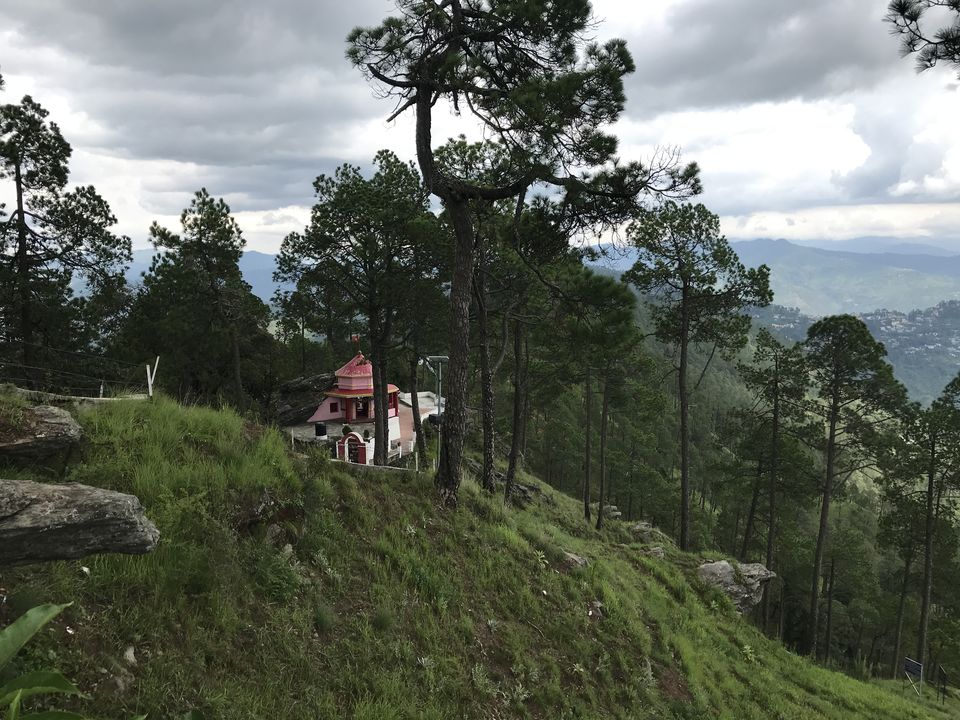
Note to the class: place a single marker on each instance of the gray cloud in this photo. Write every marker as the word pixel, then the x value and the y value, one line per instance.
pixel 253 99
pixel 253 94
pixel 734 52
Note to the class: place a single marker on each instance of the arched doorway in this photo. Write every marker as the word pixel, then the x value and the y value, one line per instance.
pixel 353 449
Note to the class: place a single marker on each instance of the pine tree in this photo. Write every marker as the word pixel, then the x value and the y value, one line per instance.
pixel 361 240
pixel 698 295
pixel 931 45
pixel 52 235
pixel 194 299
pixel 856 394
pixel 545 96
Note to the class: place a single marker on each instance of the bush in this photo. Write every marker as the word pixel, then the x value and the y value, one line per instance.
pixel 323 618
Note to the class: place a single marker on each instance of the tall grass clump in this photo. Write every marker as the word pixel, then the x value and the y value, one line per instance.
pixel 12 410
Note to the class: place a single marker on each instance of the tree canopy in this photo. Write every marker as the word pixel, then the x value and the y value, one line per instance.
pixel 525 73
pixel 52 235
pixel 915 22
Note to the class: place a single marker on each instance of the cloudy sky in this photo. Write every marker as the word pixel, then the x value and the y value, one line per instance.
pixel 806 122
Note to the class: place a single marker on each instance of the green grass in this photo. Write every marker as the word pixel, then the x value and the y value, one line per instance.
pixel 386 607
pixel 12 410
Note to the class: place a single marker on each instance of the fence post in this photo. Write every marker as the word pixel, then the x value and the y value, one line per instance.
pixel 151 376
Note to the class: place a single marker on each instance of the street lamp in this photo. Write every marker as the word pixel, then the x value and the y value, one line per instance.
pixel 439 360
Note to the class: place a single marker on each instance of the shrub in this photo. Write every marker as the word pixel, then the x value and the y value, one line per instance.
pixel 323 618
pixel 44 682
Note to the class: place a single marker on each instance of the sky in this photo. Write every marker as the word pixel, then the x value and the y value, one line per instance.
pixel 806 122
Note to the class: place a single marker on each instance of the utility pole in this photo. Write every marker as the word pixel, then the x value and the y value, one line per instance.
pixel 439 360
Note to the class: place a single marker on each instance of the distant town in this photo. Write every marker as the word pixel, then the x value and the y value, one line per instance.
pixel 922 345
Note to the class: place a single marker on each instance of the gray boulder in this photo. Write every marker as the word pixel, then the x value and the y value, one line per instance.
pixel 48 436
pixel 572 560
pixel 612 512
pixel 743 583
pixel 649 535
pixel 41 522
pixel 298 399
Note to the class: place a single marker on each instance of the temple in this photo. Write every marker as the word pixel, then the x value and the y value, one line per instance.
pixel 348 410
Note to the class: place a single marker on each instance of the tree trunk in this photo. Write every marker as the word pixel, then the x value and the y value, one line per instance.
pixel 486 382
pixel 516 438
pixel 605 408
pixel 782 610
pixel 772 493
pixel 23 280
pixel 303 346
pixel 415 409
pixel 379 332
pixel 813 625
pixel 873 651
pixel 751 514
pixel 857 653
pixel 453 427
pixel 928 551
pixel 381 403
pixel 237 375
pixel 684 424
pixel 330 328
pixel 587 449
pixel 525 417
pixel 736 532
pixel 898 636
pixel 828 637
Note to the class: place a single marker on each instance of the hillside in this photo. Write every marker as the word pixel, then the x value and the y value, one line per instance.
pixel 943 246
pixel 284 587
pixel 922 345
pixel 825 282
pixel 848 278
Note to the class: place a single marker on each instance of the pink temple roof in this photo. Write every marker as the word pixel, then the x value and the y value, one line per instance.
pixel 359 366
pixel 359 392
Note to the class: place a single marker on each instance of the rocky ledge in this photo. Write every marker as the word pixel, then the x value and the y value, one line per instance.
pixel 743 583
pixel 40 522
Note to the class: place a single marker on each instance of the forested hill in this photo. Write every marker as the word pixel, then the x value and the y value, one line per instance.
pixel 922 345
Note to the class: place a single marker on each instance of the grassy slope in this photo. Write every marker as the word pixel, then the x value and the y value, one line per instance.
pixel 388 608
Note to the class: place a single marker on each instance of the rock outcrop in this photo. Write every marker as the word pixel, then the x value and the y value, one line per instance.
pixel 572 561
pixel 298 399
pixel 612 512
pixel 48 436
pixel 41 522
pixel 743 583
pixel 649 535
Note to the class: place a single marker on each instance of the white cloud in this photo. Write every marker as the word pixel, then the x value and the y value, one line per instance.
pixel 928 220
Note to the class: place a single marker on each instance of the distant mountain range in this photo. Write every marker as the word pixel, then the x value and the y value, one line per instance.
pixel 825 282
pixel 257 269
pixel 895 275
pixel 818 281
pixel 884 288
pixel 899 246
